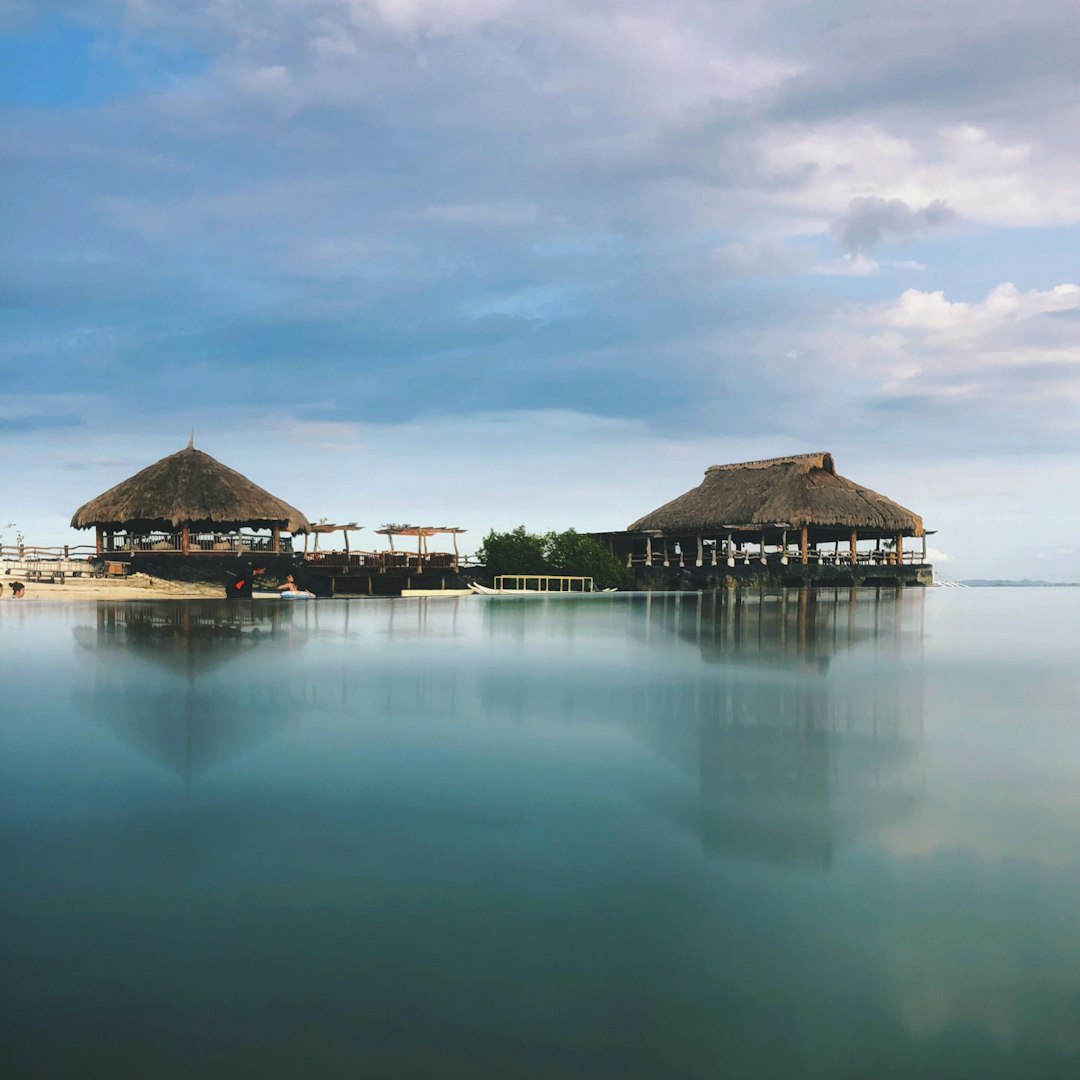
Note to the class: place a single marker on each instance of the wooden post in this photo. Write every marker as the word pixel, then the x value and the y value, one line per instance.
pixel 99 540
pixel 854 549
pixel 275 539
pixel 648 551
pixel 699 551
pixel 453 536
pixel 804 548
pixel 924 548
pixel 899 549
pixel 185 539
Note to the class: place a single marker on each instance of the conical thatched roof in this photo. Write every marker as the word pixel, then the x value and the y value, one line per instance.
pixel 788 491
pixel 189 487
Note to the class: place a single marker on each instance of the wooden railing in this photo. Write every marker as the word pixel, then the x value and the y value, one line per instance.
pixel 33 552
pixel 166 542
pixel 384 561
pixel 773 558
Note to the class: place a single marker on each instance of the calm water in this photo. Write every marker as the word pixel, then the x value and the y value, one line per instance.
pixel 668 837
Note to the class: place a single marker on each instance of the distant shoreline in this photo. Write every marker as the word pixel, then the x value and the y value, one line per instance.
pixel 993 583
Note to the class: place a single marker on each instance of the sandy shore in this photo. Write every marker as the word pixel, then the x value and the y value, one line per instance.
pixel 135 587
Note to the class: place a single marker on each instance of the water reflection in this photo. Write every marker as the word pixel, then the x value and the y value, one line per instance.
pixel 192 716
pixel 792 759
pixel 643 836
pixel 792 753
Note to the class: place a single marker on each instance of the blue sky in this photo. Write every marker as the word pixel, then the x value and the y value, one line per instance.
pixel 507 261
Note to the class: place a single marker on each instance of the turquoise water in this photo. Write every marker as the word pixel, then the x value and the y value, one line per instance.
pixel 618 836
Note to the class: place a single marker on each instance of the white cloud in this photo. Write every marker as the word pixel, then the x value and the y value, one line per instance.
pixel 847 266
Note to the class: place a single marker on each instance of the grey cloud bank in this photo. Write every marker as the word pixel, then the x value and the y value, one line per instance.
pixel 698 223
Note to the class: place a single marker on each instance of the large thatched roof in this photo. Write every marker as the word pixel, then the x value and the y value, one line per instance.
pixel 189 487
pixel 788 491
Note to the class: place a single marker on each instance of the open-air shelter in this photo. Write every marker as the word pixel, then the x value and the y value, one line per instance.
pixel 778 510
pixel 189 503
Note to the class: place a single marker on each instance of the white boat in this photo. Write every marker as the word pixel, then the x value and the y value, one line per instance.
pixel 547 585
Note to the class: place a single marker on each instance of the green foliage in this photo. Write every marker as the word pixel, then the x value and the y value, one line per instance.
pixel 574 553
pixel 569 553
pixel 515 552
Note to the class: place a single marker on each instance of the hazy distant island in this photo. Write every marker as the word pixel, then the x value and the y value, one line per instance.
pixel 999 583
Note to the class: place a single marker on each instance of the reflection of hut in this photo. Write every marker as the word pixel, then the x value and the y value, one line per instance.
pixel 189 504
pixel 184 714
pixel 794 756
pixel 778 518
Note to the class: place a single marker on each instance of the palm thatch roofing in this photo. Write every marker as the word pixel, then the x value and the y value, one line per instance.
pixel 785 492
pixel 189 488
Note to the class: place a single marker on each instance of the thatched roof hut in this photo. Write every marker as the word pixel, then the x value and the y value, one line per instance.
pixel 785 492
pixel 191 491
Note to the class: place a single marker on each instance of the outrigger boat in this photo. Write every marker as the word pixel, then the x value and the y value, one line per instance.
pixel 535 586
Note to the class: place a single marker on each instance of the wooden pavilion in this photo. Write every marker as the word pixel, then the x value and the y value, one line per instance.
pixel 785 520
pixel 190 504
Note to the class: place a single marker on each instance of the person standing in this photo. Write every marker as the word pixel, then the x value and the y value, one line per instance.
pixel 238 582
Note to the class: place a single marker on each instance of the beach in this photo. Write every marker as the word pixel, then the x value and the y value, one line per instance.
pixel 133 587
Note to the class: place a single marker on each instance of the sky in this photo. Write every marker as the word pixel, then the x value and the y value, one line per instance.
pixel 543 262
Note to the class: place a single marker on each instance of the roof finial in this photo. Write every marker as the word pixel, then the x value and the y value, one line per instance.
pixel 191 440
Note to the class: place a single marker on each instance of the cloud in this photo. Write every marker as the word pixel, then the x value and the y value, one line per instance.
pixel 631 212
pixel 871 221
pixel 21 425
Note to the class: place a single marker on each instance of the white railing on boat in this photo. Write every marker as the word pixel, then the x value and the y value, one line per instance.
pixel 542 583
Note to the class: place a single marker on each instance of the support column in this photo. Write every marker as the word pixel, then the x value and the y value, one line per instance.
pixel 99 540
pixel 854 548
pixel 924 548
pixel 275 540
pixel 699 551
pixel 899 549
pixel 185 539
pixel 648 551
pixel 804 547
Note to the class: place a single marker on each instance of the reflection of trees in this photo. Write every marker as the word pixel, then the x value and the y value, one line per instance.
pixel 191 714
pixel 793 759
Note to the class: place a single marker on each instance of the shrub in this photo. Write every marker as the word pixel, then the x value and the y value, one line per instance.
pixel 568 553
pixel 515 552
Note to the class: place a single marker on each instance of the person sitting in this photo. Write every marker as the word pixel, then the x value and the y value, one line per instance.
pixel 289 588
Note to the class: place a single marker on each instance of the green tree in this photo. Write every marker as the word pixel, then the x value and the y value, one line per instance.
pixel 570 553
pixel 575 554
pixel 514 552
